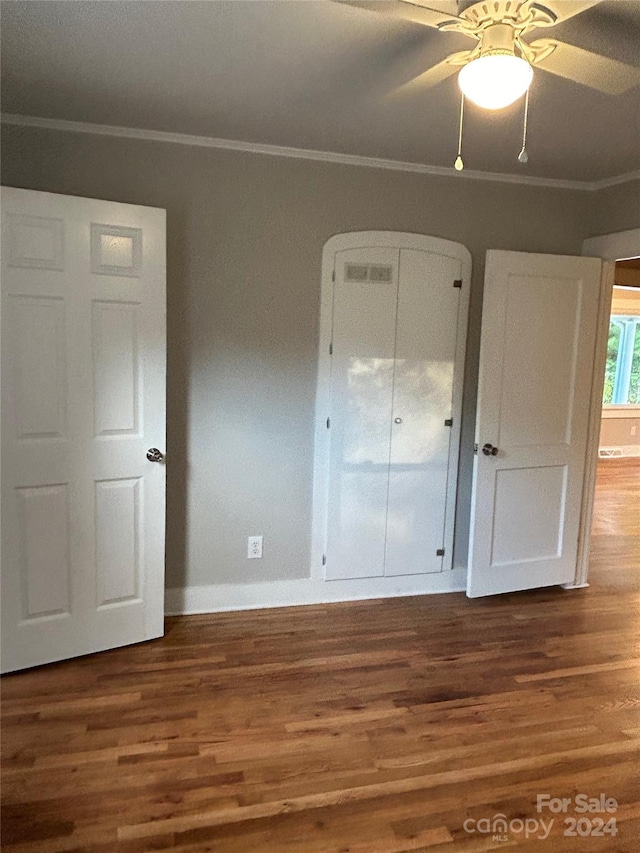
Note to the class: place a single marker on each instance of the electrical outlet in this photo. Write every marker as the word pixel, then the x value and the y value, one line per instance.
pixel 633 429
pixel 254 547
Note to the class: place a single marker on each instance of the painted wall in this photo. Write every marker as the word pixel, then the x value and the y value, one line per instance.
pixel 614 209
pixel 623 433
pixel 245 237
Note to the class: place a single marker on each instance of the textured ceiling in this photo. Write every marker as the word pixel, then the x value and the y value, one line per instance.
pixel 310 74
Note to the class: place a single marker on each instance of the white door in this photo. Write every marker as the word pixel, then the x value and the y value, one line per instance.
pixel 419 529
pixel 397 349
pixel 539 322
pixel 363 346
pixel 83 399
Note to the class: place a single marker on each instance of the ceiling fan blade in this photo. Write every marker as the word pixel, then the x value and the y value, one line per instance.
pixel 406 11
pixel 434 75
pixel 567 8
pixel 589 69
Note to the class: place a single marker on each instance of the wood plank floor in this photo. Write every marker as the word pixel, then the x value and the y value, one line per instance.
pixel 372 727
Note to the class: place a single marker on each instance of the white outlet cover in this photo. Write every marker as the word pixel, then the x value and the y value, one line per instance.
pixel 254 547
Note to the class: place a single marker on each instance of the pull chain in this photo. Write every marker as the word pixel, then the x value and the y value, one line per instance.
pixel 523 157
pixel 459 165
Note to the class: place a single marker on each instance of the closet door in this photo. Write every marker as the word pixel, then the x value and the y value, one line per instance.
pixel 362 367
pixel 425 353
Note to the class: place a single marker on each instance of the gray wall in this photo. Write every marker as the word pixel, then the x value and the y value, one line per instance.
pixel 615 209
pixel 245 237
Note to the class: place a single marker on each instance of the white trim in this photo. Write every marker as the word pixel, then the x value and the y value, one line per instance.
pixel 611 248
pixel 218 598
pixel 395 240
pixel 605 183
pixel 620 451
pixel 629 412
pixel 595 421
pixel 306 154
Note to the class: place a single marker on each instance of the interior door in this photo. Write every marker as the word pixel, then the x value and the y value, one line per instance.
pixel 363 345
pixel 421 419
pixel 536 364
pixel 83 400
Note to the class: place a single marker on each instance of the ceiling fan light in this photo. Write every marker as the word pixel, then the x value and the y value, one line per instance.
pixel 495 80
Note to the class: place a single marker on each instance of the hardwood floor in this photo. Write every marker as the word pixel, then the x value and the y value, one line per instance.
pixel 369 727
pixel 616 524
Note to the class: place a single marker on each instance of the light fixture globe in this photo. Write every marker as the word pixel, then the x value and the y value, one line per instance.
pixel 495 80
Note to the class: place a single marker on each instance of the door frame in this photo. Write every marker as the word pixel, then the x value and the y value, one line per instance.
pixel 611 248
pixel 394 240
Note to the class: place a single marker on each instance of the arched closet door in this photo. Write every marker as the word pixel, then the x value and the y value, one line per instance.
pixel 391 365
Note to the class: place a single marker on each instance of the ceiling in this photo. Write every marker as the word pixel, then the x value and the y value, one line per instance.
pixel 310 74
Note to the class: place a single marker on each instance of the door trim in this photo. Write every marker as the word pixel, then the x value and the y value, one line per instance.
pixel 395 240
pixel 611 248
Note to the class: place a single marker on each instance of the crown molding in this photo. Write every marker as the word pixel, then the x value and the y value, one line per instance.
pixel 305 154
pixel 613 182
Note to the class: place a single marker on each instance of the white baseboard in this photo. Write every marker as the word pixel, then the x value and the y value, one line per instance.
pixel 622 451
pixel 217 598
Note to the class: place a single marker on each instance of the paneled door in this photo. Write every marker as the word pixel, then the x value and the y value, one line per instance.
pixel 536 365
pixel 83 426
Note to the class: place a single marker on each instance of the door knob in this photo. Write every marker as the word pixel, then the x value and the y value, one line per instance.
pixel 154 455
pixel 397 420
pixel 489 450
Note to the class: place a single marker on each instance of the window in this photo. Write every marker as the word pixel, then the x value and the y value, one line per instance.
pixel 622 376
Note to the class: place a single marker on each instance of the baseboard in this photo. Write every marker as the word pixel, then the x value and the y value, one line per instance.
pixel 218 598
pixel 622 451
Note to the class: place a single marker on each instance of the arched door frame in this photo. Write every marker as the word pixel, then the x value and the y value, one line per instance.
pixel 396 240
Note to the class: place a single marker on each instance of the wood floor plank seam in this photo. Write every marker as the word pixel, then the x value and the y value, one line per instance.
pixel 370 792
pixel 369 727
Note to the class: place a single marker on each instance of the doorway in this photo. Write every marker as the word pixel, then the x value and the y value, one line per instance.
pixel 616 524
pixel 609 534
pixel 620 427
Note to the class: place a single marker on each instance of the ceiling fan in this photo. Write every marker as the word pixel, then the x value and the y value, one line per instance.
pixel 499 68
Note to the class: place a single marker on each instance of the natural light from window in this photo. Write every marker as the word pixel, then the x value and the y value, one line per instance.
pixel 622 374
